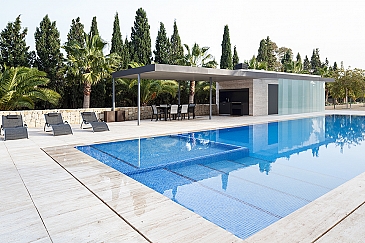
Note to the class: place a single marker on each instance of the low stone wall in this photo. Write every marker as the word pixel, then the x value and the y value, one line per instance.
pixel 35 118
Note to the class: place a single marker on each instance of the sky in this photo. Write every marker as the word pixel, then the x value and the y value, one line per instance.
pixel 335 27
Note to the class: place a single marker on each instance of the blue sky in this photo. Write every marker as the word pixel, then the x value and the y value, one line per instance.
pixel 335 27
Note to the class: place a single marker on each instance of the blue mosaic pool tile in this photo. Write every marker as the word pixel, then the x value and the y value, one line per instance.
pixel 232 215
pixel 107 159
pixel 161 180
pixel 267 199
pixel 285 184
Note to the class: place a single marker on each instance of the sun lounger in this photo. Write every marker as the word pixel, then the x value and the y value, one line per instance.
pixel 97 125
pixel 13 127
pixel 54 120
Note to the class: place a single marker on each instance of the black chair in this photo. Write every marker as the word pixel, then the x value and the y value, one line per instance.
pixel 89 118
pixel 13 127
pixel 55 121
pixel 156 112
pixel 191 110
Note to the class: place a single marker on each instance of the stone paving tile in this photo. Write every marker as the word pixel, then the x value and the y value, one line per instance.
pixel 351 229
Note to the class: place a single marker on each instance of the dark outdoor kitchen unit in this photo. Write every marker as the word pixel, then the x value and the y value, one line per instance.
pixel 233 102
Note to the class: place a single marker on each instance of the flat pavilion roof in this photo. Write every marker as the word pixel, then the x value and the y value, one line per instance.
pixel 175 72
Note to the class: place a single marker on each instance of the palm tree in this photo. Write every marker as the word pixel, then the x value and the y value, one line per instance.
pixel 150 89
pixel 21 87
pixel 90 63
pixel 197 57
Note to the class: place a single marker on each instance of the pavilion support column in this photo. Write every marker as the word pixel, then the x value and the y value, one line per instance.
pixel 139 99
pixel 210 98
pixel 178 97
pixel 113 102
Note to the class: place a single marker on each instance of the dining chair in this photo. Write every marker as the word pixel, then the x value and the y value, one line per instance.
pixel 184 110
pixel 174 112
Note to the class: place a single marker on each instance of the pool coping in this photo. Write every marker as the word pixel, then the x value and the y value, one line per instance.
pixel 338 205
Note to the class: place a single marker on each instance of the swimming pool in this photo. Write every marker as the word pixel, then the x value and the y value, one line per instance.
pixel 244 178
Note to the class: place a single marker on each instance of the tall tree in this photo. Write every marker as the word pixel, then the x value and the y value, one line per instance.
pixel 94 27
pixel 266 53
pixel 49 56
pixel 99 87
pixel 226 57
pixel 262 52
pixel 299 58
pixel 306 64
pixel 73 93
pixel 197 57
pixel 315 62
pixel 126 59
pixel 117 41
pixel 13 48
pixel 76 33
pixel 176 48
pixel 162 46
pixel 90 63
pixel 140 39
pixel 235 59
pixel 21 87
pixel 335 66
pixel 271 58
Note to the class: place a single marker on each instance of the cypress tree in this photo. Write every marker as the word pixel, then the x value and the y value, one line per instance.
pixel 335 66
pixel 226 57
pixel 326 63
pixel 306 64
pixel 76 33
pixel 315 61
pixel 287 57
pixel 94 27
pixel 176 48
pixel 73 95
pixel 140 39
pixel 13 48
pixel 127 53
pixel 270 49
pixel 299 58
pixel 117 42
pixel 162 46
pixel 235 59
pixel 262 52
pixel 49 57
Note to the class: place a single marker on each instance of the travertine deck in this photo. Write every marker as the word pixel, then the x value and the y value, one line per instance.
pixel 73 198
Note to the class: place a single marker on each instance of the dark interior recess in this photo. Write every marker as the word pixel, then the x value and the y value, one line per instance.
pixel 273 102
pixel 233 101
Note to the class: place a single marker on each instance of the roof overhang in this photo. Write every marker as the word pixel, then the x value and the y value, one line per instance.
pixel 175 72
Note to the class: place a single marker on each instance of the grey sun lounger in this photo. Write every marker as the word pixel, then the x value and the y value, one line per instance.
pixel 13 127
pixel 54 120
pixel 97 125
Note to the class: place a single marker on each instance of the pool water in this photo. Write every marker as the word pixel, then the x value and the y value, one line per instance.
pixel 245 178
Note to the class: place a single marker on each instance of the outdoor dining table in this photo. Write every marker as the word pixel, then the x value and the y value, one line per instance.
pixel 165 109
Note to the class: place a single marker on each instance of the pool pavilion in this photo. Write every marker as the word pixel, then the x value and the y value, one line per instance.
pixel 242 91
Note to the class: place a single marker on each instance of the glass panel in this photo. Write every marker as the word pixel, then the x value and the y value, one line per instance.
pixel 300 96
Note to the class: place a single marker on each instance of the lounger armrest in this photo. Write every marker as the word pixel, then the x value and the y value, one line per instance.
pixel 66 122
pixel 25 125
